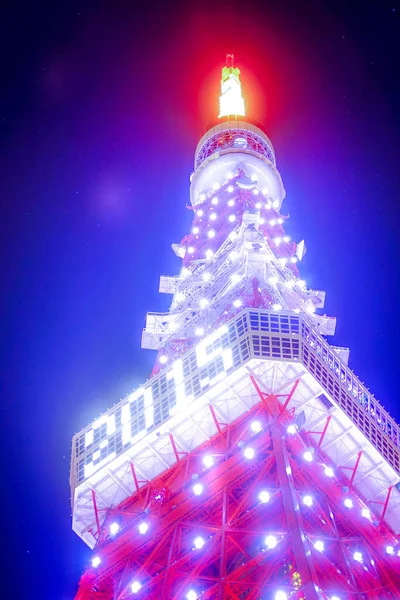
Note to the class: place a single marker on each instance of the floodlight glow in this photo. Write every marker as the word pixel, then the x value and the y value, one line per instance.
pixel 255 426
pixel 199 331
pixel 96 561
pixel 293 260
pixel 209 253
pixel 292 429
pixel 308 500
pixel 206 277
pixel 229 175
pixel 135 587
pixel 198 543
pixel 235 278
pixel 200 213
pixel 264 496
pixel 195 230
pixel 114 528
pixel 213 216
pixel 211 233
pixel 390 550
pixel 231 202
pixel 271 541
pixel 348 503
pixel 237 303
pixel 262 221
pixel 191 595
pixel 289 284
pixel 272 222
pixel 258 205
pixel 286 238
pixel 143 527
pixel 230 188
pixel 329 472
pixel 319 546
pixel 358 556
pixel 198 489
pixel 276 306
pixel 163 359
pixel 208 460
pixel 256 192
pixel 249 453
pixel 277 241
pixel 231 218
pixel 335 598
pixel 273 280
pixel 202 197
pixel 233 255
pixel 203 302
pixel 214 200
pixel 366 513
pixel 308 456
pixel 280 595
pixel 216 185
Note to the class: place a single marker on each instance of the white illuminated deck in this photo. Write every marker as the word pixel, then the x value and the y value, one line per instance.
pixel 277 348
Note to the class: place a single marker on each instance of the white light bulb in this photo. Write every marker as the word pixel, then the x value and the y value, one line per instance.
pixel 329 472
pixel 264 496
pixel 191 595
pixel 308 455
pixel 308 500
pixel 275 204
pixel 231 202
pixel 135 587
pixel 265 191
pixel 271 541
pixel 233 255
pixel 96 561
pixel 348 503
pixel 282 261
pixel 203 302
pixel 256 192
pixel 209 253
pixel 286 238
pixel 366 513
pixel 258 205
pixel 272 222
pixel 279 221
pixel 195 230
pixel 390 550
pixel 235 278
pixel 255 426
pixel 358 556
pixel 199 331
pixel 114 528
pixel 277 241
pixel 280 595
pixel 319 546
pixel 232 218
pixel 206 277
pixel 249 453
pixel 229 175
pixel 292 429
pixel 262 221
pixel 213 216
pixel 180 296
pixel 197 489
pixel 163 359
pixel 289 284
pixel 200 213
pixel 208 460
pixel 198 543
pixel 230 188
pixel 273 280
pixel 276 306
pixel 216 186
pixel 253 177
pixel 214 200
pixel 211 233
pixel 143 527
pixel 335 598
pixel 202 197
pixel 293 260
pixel 190 249
pixel 237 303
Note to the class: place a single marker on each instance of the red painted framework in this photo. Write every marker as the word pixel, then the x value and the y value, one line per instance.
pixel 235 563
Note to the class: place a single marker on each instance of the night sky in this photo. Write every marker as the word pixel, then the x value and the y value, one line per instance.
pixel 101 109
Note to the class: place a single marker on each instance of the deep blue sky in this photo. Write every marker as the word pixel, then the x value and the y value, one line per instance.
pixel 102 106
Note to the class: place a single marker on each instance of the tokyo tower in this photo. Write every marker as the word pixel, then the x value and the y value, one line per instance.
pixel 253 464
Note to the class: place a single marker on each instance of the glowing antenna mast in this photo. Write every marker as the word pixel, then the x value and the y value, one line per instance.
pixel 231 102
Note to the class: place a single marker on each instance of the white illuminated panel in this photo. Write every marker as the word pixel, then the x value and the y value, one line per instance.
pixel 278 348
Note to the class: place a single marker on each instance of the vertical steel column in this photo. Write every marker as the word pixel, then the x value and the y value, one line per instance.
pixel 301 549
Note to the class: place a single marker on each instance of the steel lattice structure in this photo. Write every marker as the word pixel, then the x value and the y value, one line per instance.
pixel 253 464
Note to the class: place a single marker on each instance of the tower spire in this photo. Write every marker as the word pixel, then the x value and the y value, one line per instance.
pixel 231 101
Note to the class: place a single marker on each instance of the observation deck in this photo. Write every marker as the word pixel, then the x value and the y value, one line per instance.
pixel 212 384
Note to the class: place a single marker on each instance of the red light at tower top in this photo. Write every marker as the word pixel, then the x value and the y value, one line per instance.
pixel 253 464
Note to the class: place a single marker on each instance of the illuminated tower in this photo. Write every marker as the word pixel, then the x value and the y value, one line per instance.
pixel 253 464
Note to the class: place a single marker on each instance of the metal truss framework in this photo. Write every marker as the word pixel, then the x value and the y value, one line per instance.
pixel 252 547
